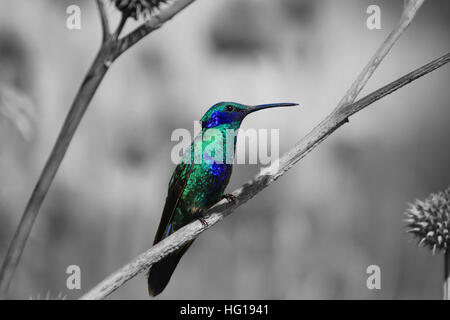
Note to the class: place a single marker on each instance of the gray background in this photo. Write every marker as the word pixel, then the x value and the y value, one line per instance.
pixel 312 234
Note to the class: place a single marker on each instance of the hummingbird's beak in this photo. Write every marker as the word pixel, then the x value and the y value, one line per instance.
pixel 251 109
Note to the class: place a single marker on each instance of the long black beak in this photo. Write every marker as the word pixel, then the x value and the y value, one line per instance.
pixel 251 109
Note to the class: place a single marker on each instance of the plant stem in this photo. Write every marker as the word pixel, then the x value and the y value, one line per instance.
pixel 332 122
pixel 112 47
pixel 222 209
pixel 410 8
pixel 73 118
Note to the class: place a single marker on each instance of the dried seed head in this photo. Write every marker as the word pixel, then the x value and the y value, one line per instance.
pixel 429 221
pixel 138 8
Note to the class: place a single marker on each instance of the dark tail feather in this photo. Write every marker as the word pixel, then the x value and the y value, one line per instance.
pixel 160 273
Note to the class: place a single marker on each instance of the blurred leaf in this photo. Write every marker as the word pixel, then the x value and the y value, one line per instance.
pixel 17 107
pixel 238 31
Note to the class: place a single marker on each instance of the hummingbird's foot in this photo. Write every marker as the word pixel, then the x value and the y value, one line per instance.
pixel 203 221
pixel 230 198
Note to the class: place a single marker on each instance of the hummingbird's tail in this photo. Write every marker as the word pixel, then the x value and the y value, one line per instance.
pixel 160 273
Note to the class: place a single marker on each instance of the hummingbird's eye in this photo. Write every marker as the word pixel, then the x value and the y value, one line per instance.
pixel 229 108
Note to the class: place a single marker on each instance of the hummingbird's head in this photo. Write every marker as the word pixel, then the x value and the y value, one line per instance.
pixel 231 114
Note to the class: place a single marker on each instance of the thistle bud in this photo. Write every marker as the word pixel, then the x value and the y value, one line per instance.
pixel 429 221
pixel 138 8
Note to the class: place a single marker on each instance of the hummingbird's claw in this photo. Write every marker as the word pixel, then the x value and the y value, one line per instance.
pixel 203 221
pixel 230 198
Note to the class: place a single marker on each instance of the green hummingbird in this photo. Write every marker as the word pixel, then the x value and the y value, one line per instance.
pixel 199 180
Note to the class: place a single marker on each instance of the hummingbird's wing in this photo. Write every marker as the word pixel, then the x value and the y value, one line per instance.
pixel 160 273
pixel 177 184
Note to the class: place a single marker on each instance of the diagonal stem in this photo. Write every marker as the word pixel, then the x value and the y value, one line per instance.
pixel 152 24
pixel 104 19
pixel 111 48
pixel 315 137
pixel 222 209
pixel 410 8
pixel 76 112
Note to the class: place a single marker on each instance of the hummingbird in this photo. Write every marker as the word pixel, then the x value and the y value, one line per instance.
pixel 199 180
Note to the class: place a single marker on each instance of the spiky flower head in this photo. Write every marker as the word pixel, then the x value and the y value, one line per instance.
pixel 429 221
pixel 138 8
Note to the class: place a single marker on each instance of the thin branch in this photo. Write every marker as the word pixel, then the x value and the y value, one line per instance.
pixel 104 20
pixel 76 112
pixel 107 54
pixel 222 209
pixel 123 20
pixel 153 23
pixel 410 8
pixel 268 175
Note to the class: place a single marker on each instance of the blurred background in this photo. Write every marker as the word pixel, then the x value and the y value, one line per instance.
pixel 312 234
